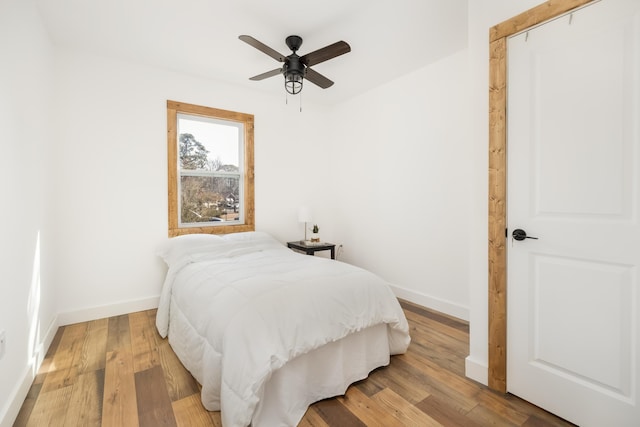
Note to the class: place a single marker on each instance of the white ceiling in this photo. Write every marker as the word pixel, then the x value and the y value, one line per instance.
pixel 200 37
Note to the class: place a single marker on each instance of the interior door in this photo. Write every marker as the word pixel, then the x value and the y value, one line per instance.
pixel 573 182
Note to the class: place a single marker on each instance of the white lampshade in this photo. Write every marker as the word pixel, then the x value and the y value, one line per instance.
pixel 304 214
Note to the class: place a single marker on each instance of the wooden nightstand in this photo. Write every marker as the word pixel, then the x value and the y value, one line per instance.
pixel 312 248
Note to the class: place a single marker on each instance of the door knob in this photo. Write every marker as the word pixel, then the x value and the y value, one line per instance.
pixel 520 234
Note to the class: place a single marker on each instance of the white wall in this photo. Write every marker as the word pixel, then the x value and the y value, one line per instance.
pixel 401 196
pixel 111 175
pixel 482 16
pixel 27 303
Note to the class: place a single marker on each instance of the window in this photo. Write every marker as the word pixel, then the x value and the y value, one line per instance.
pixel 210 158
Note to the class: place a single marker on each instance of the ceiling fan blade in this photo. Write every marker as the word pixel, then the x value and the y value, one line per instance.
pixel 318 79
pixel 263 48
pixel 326 53
pixel 267 74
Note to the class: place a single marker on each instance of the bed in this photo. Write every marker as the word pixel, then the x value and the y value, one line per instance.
pixel 267 331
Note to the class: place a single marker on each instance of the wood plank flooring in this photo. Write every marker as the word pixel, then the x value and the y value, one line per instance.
pixel 119 372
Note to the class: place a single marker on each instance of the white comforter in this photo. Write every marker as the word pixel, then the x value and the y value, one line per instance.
pixel 256 305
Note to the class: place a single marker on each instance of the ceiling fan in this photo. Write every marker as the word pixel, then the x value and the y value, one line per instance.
pixel 296 68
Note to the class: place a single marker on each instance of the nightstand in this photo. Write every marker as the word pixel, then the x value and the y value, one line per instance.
pixel 312 248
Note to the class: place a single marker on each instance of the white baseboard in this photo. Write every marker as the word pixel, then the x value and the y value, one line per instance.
pixel 16 399
pixel 476 370
pixel 443 306
pixel 102 311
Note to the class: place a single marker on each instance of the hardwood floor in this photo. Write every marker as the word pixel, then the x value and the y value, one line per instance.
pixel 119 372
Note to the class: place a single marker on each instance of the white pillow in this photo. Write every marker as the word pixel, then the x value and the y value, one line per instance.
pixel 177 247
pixel 248 236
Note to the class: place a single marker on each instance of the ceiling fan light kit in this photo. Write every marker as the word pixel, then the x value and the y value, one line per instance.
pixel 293 83
pixel 296 68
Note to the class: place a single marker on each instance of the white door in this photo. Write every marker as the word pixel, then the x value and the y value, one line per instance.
pixel 573 182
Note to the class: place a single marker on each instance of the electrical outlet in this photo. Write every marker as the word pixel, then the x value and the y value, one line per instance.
pixel 3 343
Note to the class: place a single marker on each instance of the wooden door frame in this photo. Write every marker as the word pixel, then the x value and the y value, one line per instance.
pixel 497 374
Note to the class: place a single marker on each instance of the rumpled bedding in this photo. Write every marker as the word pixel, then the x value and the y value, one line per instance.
pixel 256 305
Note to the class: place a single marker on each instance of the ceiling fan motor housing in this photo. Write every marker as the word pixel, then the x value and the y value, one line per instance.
pixel 293 65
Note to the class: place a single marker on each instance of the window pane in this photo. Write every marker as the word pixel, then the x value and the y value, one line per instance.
pixel 209 145
pixel 210 199
pixel 208 148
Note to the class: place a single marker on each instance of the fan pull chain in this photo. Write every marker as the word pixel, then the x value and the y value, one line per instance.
pixel 286 99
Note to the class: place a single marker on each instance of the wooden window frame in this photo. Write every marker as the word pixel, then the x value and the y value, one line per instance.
pixel 173 109
pixel 497 375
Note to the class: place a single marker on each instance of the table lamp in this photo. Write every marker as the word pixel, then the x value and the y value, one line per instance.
pixel 304 215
